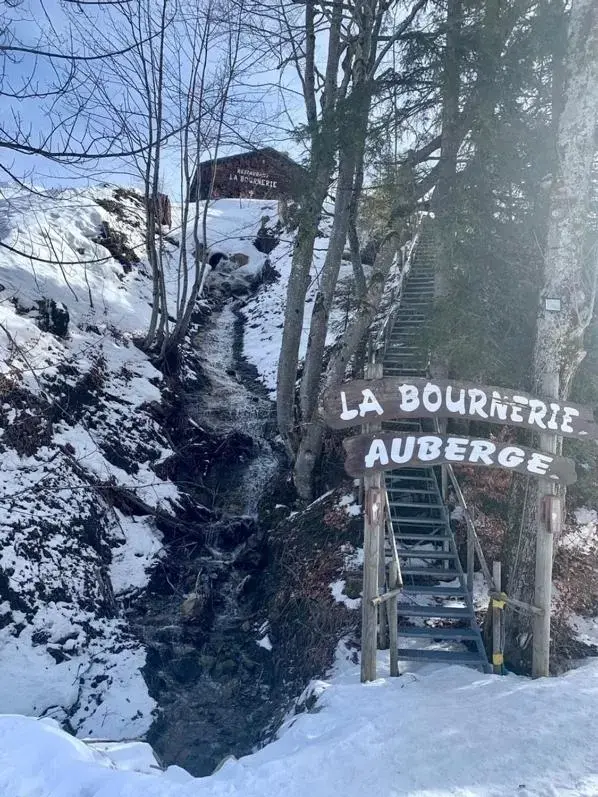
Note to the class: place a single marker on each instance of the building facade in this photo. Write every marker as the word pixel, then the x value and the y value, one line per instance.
pixel 258 174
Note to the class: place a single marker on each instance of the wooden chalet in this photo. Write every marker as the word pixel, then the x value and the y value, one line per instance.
pixel 259 174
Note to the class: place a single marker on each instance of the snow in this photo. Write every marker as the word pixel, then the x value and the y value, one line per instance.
pixel 583 537
pixel 265 311
pixel 139 547
pixel 434 732
pixel 586 629
pixel 265 643
pixel 64 649
pixel 338 593
pixel 349 504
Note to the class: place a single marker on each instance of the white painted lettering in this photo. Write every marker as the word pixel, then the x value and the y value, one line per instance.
pixel 510 457
pixel 377 453
pixel 568 414
pixel 432 397
pixel 516 415
pixel 497 408
pixel 409 397
pixel 477 401
pixel 551 422
pixel 429 447
pixel 537 411
pixel 539 463
pixel 347 414
pixel 459 404
pixel 369 403
pixel 481 451
pixel 408 444
pixel 455 448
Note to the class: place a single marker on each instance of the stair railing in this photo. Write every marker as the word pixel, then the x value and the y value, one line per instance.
pixel 473 541
pixel 393 289
pixel 474 545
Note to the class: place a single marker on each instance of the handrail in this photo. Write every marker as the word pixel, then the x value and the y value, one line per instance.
pixel 393 290
pixel 471 528
pixel 393 542
pixel 472 536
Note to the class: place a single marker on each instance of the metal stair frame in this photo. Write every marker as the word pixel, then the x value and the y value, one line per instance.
pixel 401 356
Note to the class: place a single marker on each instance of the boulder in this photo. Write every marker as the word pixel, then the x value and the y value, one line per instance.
pixel 240 259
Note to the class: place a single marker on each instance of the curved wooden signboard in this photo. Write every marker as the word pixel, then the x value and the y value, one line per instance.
pixel 366 401
pixel 378 451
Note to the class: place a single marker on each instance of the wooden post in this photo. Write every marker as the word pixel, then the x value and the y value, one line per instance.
pixel 549 524
pixel 373 523
pixel 497 621
pixel 548 519
pixel 383 615
pixel 393 620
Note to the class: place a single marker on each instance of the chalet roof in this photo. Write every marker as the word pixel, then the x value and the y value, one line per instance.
pixel 261 151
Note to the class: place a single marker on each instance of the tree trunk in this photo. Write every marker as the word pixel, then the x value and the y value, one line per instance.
pixel 444 204
pixel 311 442
pixel 323 143
pixel 559 338
pixel 312 369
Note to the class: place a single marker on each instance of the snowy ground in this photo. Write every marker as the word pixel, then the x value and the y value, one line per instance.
pixel 265 311
pixel 76 415
pixel 436 732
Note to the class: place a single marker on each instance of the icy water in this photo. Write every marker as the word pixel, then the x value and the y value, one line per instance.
pixel 201 619
pixel 235 404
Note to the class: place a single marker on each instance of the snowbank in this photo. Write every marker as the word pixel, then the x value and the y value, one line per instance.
pixel 446 732
pixel 76 421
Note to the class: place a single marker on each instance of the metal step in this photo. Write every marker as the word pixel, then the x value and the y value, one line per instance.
pixel 429 572
pixel 396 486
pixel 401 536
pixel 442 592
pixel 419 554
pixel 404 610
pixel 438 632
pixel 418 506
pixel 442 656
pixel 416 521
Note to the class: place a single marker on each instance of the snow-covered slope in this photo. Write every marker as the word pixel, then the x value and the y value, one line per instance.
pixel 446 732
pixel 78 430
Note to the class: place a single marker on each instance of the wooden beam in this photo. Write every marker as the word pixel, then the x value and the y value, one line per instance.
pixel 516 604
pixel 392 593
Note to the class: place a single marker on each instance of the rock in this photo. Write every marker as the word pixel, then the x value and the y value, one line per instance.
pixel 53 317
pixel 215 258
pixel 267 238
pixel 195 604
pixel 207 662
pixel 117 244
pixel 164 210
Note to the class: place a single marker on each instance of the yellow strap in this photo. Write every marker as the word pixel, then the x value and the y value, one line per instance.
pixel 496 604
pixel 497 659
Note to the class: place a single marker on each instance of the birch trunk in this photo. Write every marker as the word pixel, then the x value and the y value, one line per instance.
pixel 568 276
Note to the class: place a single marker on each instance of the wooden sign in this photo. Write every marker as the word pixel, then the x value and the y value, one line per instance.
pixel 378 451
pixel 359 402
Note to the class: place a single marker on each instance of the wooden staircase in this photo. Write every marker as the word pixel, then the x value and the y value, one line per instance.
pixel 435 609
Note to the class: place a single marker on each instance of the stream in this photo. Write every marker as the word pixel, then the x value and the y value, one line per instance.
pixel 209 662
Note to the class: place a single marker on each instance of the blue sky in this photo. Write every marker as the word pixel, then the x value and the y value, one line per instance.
pixel 36 18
